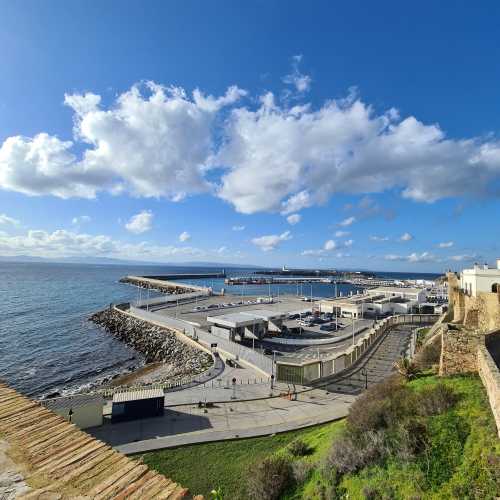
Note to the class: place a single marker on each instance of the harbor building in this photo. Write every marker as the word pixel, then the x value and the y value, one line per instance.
pixel 480 279
pixel 248 324
pixel 380 301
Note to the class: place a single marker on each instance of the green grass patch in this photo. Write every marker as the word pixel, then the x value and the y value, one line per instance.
pixel 226 464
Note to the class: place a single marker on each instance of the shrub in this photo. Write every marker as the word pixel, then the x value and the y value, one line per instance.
pixel 436 400
pixel 349 454
pixel 298 448
pixel 406 368
pixel 429 355
pixel 301 470
pixel 270 478
pixel 381 406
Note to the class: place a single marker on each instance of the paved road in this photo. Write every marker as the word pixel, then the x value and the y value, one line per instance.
pixel 378 364
pixel 186 423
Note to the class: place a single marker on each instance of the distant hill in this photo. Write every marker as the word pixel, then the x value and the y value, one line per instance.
pixel 121 262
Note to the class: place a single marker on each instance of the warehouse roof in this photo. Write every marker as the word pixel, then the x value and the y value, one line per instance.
pixel 122 397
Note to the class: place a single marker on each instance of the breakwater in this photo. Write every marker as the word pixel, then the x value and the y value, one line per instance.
pixel 162 285
pixel 157 344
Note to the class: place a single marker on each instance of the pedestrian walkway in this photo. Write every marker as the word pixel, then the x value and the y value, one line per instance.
pixel 191 424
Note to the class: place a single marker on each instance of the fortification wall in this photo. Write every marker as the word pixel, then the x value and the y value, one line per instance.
pixel 490 375
pixel 458 350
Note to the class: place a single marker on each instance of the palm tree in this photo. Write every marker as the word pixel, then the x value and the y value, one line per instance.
pixel 406 367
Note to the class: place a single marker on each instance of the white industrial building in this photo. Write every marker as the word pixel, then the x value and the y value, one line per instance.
pixel 378 301
pixel 255 323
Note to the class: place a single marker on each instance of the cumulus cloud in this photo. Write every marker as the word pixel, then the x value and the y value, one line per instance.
pixel 6 220
pixel 153 141
pixel 184 236
pixel 293 219
pixel 465 258
pixel 270 242
pixel 81 219
pixel 446 244
pixel 301 82
pixel 328 247
pixel 406 237
pixel 379 238
pixel 141 222
pixel 238 228
pixel 414 258
pixel 341 234
pixel 62 243
pixel 348 222
pixel 157 141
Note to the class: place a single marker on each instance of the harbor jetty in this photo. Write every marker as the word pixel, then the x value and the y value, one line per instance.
pixel 161 284
pixel 156 343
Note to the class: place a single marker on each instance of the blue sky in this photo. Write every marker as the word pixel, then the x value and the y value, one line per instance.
pixel 349 136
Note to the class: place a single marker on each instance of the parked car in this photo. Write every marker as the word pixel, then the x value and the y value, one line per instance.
pixel 327 328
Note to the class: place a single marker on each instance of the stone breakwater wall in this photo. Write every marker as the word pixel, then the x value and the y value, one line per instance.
pixel 156 343
pixel 164 286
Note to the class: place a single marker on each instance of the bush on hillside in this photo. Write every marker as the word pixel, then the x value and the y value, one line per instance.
pixel 298 448
pixel 436 400
pixel 349 453
pixel 301 470
pixel 429 355
pixel 270 478
pixel 381 406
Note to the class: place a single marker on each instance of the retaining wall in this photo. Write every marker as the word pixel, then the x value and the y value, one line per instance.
pixel 490 373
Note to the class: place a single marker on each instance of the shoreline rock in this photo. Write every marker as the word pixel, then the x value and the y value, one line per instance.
pixel 155 343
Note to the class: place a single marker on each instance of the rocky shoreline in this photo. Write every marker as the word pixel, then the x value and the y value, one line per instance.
pixel 157 344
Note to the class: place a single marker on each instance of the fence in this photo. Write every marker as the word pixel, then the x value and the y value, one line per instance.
pixel 303 372
pixel 170 298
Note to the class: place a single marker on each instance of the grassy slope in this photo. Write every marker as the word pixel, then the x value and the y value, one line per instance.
pixel 226 464
pixel 464 444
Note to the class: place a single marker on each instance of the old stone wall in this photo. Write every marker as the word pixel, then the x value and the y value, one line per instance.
pixel 490 375
pixel 481 313
pixel 458 350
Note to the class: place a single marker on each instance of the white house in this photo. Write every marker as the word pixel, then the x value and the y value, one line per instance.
pixel 480 279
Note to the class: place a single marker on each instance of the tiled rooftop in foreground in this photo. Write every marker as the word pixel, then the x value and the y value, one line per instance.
pixel 55 457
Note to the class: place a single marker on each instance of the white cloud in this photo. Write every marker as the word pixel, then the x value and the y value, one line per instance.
pixel 238 228
pixel 330 245
pixel 446 244
pixel 184 236
pixel 294 219
pixel 406 237
pixel 5 219
pixel 270 242
pixel 153 141
pixel 347 222
pixel 156 141
pixel 414 258
pixel 141 222
pixel 81 219
pixel 379 238
pixel 62 243
pixel 301 82
pixel 465 258
pixel 341 234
